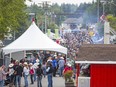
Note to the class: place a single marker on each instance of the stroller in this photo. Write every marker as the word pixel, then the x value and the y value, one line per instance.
pixel 9 81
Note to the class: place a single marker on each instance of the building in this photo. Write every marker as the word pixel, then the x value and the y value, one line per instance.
pixel 102 69
pixel 72 23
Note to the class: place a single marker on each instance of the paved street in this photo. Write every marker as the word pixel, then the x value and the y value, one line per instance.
pixel 57 82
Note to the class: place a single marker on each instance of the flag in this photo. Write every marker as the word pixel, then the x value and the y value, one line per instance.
pixel 102 18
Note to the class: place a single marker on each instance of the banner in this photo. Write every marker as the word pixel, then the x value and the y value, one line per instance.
pixel 102 18
pixel 56 33
pixel 48 32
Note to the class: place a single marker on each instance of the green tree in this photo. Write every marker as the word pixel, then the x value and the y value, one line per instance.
pixel 57 10
pixel 12 15
pixel 112 21
pixel 53 26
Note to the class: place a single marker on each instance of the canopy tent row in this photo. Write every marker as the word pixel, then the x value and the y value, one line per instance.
pixel 34 39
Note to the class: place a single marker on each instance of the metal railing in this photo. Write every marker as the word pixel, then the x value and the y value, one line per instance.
pixel 112 31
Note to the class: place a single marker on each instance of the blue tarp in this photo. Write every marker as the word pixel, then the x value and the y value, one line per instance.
pixel 97 39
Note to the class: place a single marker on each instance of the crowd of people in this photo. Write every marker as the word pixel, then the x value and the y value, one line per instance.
pixel 73 40
pixel 42 65
pixel 34 68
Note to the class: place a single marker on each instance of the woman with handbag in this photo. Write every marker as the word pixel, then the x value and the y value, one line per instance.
pixel 31 72
pixel 2 75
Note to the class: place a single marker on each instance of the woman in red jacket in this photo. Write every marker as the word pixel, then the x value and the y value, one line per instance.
pixel 68 67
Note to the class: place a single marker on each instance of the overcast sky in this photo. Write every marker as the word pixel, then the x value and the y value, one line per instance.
pixel 62 1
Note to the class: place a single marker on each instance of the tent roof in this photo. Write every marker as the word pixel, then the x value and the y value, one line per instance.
pixel 34 39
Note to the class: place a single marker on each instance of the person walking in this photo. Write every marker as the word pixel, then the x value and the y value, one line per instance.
pixel 31 72
pixel 39 74
pixel 19 72
pixel 11 73
pixel 49 72
pixel 44 69
pixel 26 73
pixel 61 64
pixel 54 65
pixel 16 64
pixel 35 66
pixel 2 75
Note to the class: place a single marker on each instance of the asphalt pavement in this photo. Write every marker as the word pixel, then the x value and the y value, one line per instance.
pixel 57 82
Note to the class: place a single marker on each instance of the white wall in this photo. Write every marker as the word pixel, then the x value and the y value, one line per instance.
pixel 106 33
pixel 18 55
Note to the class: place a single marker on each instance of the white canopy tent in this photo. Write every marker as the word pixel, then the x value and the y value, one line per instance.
pixel 34 39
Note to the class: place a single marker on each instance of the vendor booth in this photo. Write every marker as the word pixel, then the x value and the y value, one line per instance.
pixel 96 65
pixel 34 39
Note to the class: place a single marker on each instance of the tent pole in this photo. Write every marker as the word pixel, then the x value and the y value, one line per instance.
pixel 2 56
pixel 10 55
pixel 25 54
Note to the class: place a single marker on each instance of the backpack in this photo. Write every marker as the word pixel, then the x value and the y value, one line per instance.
pixel 39 72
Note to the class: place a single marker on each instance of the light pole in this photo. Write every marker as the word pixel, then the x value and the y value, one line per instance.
pixel 45 22
pixel 45 5
pixel 104 2
pixel 104 8
pixel 98 10
pixel 14 35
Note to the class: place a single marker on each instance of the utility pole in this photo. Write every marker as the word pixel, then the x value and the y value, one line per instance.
pixel 14 35
pixel 45 22
pixel 98 10
pixel 45 6
pixel 104 7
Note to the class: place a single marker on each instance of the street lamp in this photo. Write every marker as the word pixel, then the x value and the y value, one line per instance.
pixel 104 8
pixel 45 22
pixel 104 2
pixel 45 6
pixel 98 10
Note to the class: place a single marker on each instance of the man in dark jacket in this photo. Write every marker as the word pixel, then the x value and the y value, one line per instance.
pixel 54 65
pixel 18 73
pixel 49 71
pixel 39 73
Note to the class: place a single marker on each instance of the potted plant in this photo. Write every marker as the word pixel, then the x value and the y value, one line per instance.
pixel 68 78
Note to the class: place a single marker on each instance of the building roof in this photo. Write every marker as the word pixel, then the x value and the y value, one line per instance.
pixel 97 53
pixel 71 20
